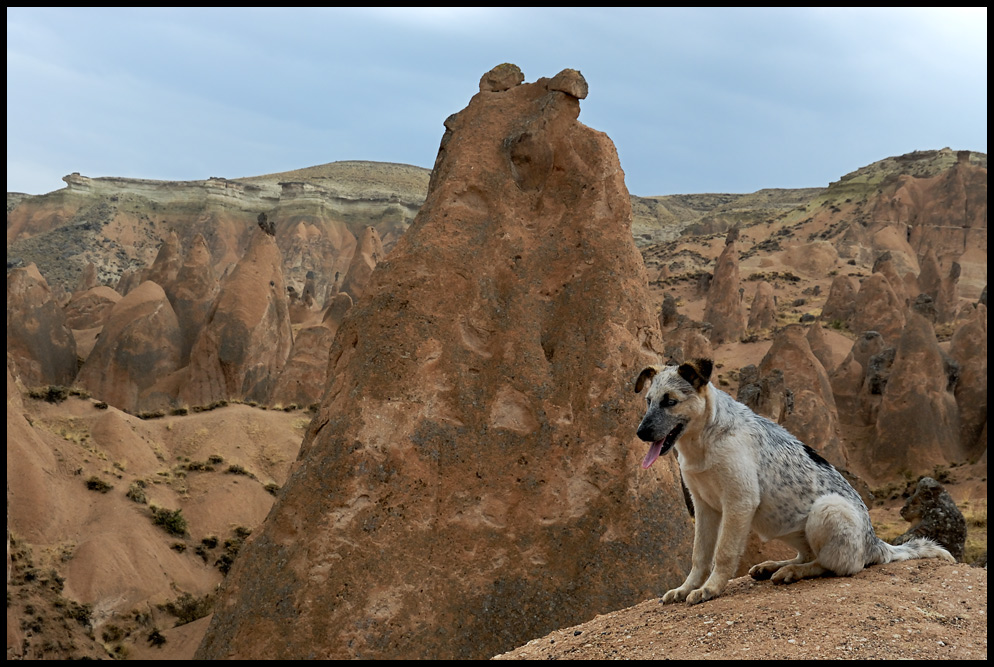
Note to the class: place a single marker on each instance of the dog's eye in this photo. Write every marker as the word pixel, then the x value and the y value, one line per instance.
pixel 667 401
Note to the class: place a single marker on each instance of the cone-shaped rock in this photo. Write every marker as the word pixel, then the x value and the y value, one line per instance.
pixel 917 407
pixel 813 418
pixel 969 349
pixel 725 310
pixel 367 254
pixel 763 314
pixel 39 343
pixel 471 480
pixel 167 263
pixel 878 308
pixel 193 293
pixel 244 345
pixel 139 344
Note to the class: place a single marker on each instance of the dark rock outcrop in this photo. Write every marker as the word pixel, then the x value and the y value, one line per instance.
pixel 933 514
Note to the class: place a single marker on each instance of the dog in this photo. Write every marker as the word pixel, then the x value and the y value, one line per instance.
pixel 744 471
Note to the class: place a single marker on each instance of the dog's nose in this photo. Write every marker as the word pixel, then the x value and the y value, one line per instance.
pixel 644 433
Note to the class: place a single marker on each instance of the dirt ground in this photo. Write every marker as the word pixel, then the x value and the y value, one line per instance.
pixel 915 610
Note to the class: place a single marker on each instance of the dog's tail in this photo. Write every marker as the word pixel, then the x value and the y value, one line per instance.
pixel 918 547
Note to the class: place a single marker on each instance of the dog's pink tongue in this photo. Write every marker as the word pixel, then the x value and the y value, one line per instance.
pixel 652 454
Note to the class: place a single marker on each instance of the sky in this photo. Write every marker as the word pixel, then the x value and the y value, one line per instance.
pixel 695 99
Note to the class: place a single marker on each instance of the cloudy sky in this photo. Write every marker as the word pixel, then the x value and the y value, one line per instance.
pixel 696 100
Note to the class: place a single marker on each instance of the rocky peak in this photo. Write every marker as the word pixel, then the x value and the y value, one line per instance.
pixel 475 442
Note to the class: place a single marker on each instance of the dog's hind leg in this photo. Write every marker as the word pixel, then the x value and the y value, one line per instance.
pixel 767 569
pixel 836 532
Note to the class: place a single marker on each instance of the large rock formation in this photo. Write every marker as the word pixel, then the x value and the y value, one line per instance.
pixel 368 253
pixel 139 344
pixel 192 294
pixel 968 349
pixel 725 310
pixel 918 407
pixel 471 480
pixel 813 417
pixel 39 343
pixel 245 343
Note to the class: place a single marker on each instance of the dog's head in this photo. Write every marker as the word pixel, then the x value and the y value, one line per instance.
pixel 675 398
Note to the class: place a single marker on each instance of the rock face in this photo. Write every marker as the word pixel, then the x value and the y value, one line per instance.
pixel 192 293
pixel 725 310
pixel 471 479
pixel 247 338
pixel 969 349
pixel 139 344
pixel 763 314
pixel 39 342
pixel 918 406
pixel 367 254
pixel 813 417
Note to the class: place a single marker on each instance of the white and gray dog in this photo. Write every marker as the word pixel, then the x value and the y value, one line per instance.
pixel 744 471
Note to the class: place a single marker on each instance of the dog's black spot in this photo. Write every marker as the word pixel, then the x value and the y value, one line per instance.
pixel 816 457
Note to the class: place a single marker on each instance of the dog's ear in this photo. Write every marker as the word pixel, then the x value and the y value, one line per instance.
pixel 697 372
pixel 645 376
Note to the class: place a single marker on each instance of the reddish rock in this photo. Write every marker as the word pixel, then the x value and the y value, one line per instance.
pixel 820 347
pixel 367 254
pixel 130 279
pixel 813 419
pixel 89 309
pixel 841 301
pixel 474 458
pixel 87 279
pixel 40 345
pixel 335 313
pixel 167 264
pixel 244 345
pixel 878 308
pixel 853 399
pixel 969 349
pixel 305 375
pixel 192 294
pixel 763 314
pixel 917 407
pixel 688 340
pixel 725 310
pixel 139 345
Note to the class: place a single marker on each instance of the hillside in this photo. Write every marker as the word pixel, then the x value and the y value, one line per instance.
pixel 453 407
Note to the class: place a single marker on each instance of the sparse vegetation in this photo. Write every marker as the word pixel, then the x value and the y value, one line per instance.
pixel 188 608
pixel 51 393
pixel 171 521
pixel 136 492
pixel 96 484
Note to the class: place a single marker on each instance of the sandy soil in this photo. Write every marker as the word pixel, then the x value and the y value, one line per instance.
pixel 915 610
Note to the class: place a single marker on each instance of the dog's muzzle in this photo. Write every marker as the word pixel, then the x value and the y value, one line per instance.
pixel 658 447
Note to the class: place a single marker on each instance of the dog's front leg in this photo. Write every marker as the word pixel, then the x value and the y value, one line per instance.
pixel 706 523
pixel 731 542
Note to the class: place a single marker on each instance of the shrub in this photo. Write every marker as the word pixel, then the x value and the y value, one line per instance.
pixel 171 521
pixel 96 484
pixel 136 492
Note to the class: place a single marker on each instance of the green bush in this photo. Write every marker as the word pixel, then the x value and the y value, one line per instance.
pixel 171 521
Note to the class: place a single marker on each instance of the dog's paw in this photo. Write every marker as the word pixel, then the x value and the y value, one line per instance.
pixel 675 595
pixel 787 574
pixel 702 594
pixel 764 570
